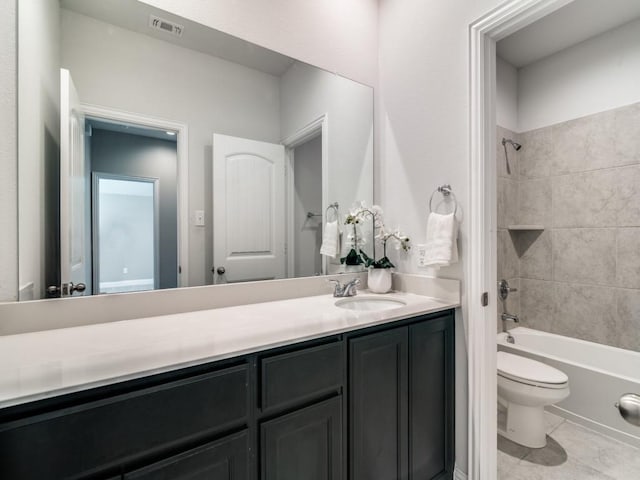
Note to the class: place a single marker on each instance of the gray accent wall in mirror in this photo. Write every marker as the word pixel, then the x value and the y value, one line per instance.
pixel 247 150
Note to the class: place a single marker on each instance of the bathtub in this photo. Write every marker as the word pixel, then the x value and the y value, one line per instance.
pixel 598 376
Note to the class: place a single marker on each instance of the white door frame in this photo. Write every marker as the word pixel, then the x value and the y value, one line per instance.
pixel 182 147
pixel 482 270
pixel 319 125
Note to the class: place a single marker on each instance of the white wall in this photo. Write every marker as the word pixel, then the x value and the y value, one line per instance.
pixel 506 95
pixel 38 130
pixel 160 79
pixel 422 117
pixel 349 107
pixel 596 75
pixel 337 35
pixel 8 154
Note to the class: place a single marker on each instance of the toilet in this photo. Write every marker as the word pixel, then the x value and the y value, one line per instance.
pixel 525 387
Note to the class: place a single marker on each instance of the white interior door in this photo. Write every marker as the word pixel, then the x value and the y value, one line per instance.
pixel 248 210
pixel 73 245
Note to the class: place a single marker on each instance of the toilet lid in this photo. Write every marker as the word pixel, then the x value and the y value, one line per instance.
pixel 529 371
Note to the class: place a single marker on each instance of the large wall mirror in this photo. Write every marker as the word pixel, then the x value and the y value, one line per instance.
pixel 155 152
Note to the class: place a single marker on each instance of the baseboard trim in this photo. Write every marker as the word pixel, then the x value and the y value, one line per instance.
pixel 459 474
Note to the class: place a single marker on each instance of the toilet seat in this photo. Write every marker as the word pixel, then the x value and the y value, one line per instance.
pixel 530 372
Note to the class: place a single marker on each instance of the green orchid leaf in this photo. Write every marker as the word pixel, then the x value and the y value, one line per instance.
pixel 352 258
pixel 384 262
pixel 368 261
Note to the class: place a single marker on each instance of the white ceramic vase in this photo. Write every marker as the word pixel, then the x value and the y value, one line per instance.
pixel 379 280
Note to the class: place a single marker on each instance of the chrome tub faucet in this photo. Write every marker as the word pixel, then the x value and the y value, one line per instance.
pixel 505 317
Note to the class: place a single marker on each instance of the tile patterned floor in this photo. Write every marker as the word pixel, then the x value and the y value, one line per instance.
pixel 572 453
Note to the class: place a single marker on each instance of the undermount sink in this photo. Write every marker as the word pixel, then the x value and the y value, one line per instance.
pixel 369 304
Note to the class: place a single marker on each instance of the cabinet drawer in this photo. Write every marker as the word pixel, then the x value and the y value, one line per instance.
pixel 225 459
pixel 80 440
pixel 301 375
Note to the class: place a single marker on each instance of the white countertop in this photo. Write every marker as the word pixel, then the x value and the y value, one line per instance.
pixel 48 363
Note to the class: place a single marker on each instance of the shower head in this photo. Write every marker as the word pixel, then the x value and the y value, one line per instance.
pixel 515 145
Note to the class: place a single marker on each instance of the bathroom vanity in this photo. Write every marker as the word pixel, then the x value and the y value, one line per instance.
pixel 329 392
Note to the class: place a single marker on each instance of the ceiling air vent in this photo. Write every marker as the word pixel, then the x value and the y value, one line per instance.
pixel 165 25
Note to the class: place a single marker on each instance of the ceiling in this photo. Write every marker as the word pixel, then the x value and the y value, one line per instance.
pixel 567 26
pixel 133 15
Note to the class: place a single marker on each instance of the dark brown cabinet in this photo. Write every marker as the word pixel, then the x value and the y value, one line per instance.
pixel 84 438
pixel 378 381
pixel 305 444
pixel 401 402
pixel 371 404
pixel 225 459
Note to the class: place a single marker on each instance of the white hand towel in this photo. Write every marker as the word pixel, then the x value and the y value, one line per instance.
pixel 331 240
pixel 441 247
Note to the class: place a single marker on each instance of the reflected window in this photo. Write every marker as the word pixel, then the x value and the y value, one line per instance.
pixel 125 234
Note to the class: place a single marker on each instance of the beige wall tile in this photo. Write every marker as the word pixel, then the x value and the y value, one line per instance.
pixel 507 202
pixel 586 199
pixel 586 312
pixel 584 255
pixel 535 155
pixel 628 309
pixel 628 258
pixel 537 304
pixel 627 134
pixel 535 253
pixel 534 202
pixel 508 261
pixel 583 144
pixel 628 195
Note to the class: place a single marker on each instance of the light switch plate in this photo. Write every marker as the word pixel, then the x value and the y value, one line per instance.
pixel 199 218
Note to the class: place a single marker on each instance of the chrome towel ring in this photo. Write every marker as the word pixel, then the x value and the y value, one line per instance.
pixel 334 206
pixel 446 191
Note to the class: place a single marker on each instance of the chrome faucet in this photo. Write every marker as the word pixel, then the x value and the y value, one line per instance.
pixel 513 318
pixel 346 290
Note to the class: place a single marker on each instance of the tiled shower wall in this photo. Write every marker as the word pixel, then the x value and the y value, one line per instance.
pixel 579 277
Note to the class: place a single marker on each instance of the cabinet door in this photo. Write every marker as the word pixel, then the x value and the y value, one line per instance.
pixel 378 392
pixel 431 402
pixel 305 444
pixel 225 459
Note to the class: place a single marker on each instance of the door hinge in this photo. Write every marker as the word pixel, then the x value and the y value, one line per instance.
pixel 179 269
pixel 484 299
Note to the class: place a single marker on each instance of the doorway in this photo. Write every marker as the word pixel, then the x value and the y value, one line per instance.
pixel 306 163
pixel 482 265
pixel 307 198
pixel 134 222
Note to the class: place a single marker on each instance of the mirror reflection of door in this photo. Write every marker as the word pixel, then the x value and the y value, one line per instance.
pixel 134 207
pixel 249 210
pixel 73 260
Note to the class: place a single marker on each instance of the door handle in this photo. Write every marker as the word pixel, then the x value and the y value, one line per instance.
pixel 220 270
pixel 80 287
pixel 53 290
